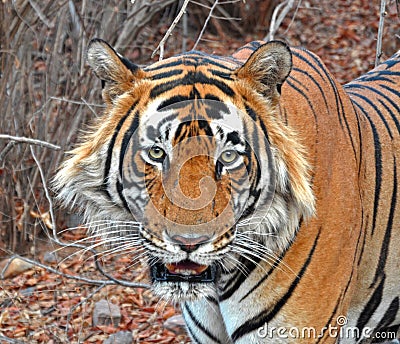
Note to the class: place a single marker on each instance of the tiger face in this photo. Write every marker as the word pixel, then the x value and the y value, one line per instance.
pixel 194 149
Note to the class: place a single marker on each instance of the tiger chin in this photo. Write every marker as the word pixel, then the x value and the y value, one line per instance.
pixel 255 186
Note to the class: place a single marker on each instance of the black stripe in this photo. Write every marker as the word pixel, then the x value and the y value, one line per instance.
pixel 270 271
pixel 378 75
pixel 252 46
pixel 304 59
pixel 376 110
pixel 306 98
pixel 174 100
pixel 214 109
pixel 205 126
pixel 315 82
pixel 390 315
pixel 212 97
pixel 371 306
pixel 238 278
pixel 191 78
pixel 120 189
pixel 391 90
pixel 212 300
pixel 378 162
pixel 200 325
pixel 159 66
pixel 178 132
pixel 110 149
pixel 192 335
pixel 391 62
pixel 386 239
pixel 221 74
pixel 267 315
pixel 128 64
pixel 388 99
pixel 251 113
pixel 339 103
pixel 321 336
pixel 167 74
pixel 125 141
pixel 233 137
pixel 338 100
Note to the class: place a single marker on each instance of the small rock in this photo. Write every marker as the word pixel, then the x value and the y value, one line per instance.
pixel 106 313
pixel 121 337
pixel 16 267
pixel 50 257
pixel 73 220
pixel 28 291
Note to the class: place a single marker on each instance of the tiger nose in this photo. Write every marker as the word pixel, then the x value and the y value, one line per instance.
pixel 189 243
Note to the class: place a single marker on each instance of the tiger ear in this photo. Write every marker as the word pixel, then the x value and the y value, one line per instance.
pixel 116 72
pixel 267 67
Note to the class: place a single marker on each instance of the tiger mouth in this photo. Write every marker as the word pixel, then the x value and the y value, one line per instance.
pixel 183 271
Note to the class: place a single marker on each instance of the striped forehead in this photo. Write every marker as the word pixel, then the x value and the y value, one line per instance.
pixel 196 75
pixel 190 95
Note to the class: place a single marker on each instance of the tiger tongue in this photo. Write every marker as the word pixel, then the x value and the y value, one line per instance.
pixel 186 267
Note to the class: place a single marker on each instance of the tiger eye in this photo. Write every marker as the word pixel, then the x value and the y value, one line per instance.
pixel 156 153
pixel 229 156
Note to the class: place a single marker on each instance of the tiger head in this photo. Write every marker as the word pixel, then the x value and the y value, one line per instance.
pixel 193 154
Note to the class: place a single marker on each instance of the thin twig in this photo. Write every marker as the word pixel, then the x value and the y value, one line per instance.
pixel 160 45
pixel 41 15
pixel 30 141
pixel 184 32
pixel 9 340
pixel 293 17
pixel 380 32
pixel 47 194
pixel 205 23
pixel 398 8
pixel 77 278
pixel 6 150
pixel 282 10
pixel 83 102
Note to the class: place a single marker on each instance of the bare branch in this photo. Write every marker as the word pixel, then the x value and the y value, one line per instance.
pixel 6 150
pixel 279 14
pixel 46 191
pixel 160 45
pixel 77 278
pixel 83 102
pixel 41 15
pixel 205 23
pixel 382 15
pixel 30 141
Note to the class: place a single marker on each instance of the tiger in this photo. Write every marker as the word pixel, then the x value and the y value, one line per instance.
pixel 261 192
